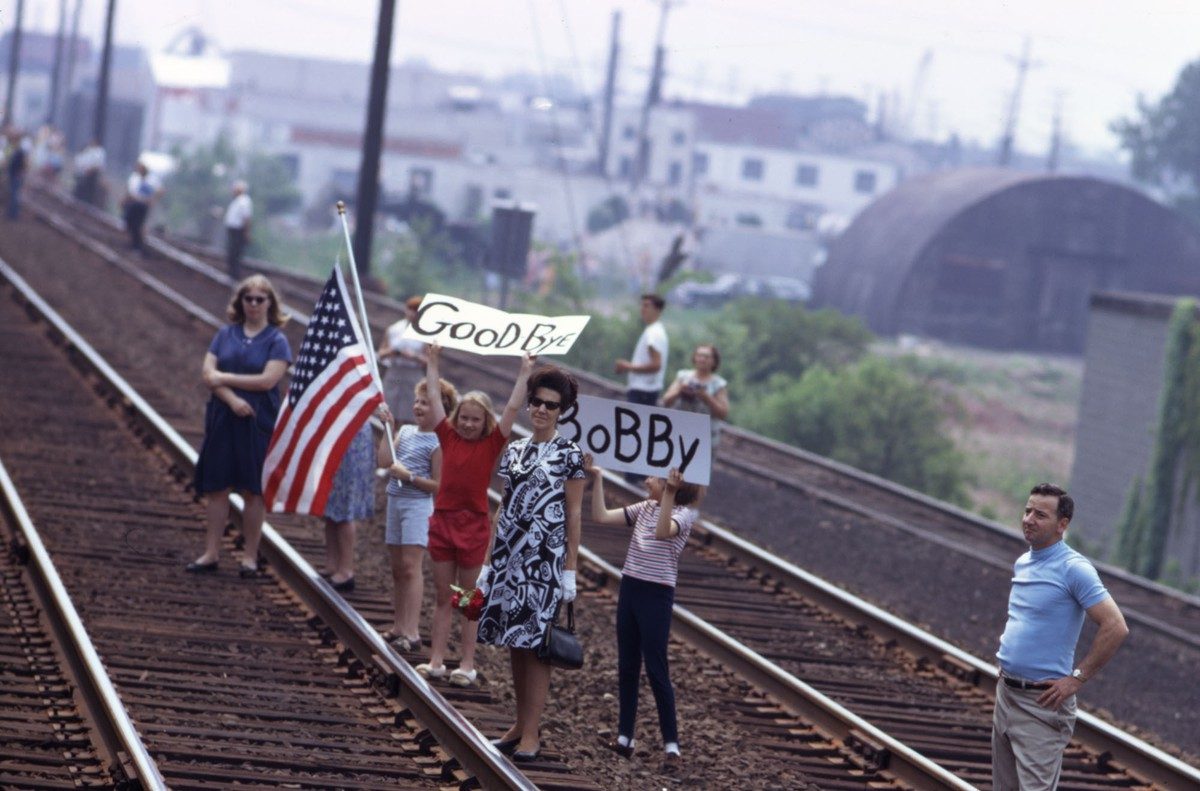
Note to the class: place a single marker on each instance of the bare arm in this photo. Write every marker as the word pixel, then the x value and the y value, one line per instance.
pixel 266 380
pixel 624 366
pixel 667 528
pixel 673 392
pixel 432 385
pixel 517 399
pixel 383 454
pixel 235 402
pixel 1108 639
pixel 574 492
pixel 718 405
pixel 601 513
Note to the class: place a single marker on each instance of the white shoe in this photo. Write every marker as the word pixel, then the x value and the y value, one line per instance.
pixel 428 671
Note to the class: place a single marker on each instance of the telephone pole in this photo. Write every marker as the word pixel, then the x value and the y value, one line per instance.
pixel 610 88
pixel 56 74
pixel 14 64
pixel 1024 64
pixel 101 116
pixel 653 96
pixel 368 172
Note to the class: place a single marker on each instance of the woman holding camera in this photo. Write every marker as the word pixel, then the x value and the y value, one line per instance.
pixel 701 390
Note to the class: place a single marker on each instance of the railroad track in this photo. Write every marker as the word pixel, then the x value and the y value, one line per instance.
pixel 917 711
pixel 252 690
pixel 794 743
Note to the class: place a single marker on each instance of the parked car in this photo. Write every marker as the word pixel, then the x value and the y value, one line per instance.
pixel 727 287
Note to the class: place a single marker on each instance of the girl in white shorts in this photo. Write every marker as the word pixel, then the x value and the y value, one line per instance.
pixel 415 475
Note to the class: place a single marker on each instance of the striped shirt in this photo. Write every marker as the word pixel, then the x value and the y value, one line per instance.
pixel 414 449
pixel 648 558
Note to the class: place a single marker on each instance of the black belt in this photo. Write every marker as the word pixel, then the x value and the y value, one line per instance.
pixel 1020 683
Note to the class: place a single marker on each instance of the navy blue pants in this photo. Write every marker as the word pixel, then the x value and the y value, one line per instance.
pixel 643 628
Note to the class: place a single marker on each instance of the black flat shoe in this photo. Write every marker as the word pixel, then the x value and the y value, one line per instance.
pixel 248 572
pixel 520 756
pixel 345 586
pixel 623 750
pixel 506 746
pixel 201 568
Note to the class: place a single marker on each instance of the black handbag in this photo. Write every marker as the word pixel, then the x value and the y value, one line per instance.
pixel 560 647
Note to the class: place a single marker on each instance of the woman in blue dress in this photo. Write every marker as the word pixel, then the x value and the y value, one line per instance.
pixel 243 366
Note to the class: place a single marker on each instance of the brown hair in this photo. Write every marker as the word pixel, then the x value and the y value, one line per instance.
pixel 412 303
pixel 237 314
pixel 483 401
pixel 655 299
pixel 1066 505
pixel 448 393
pixel 687 493
pixel 553 378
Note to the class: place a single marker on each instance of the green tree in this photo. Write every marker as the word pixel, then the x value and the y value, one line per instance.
pixel 870 415
pixel 1163 140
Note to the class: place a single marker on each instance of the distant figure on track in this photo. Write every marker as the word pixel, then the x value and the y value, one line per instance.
pixel 238 217
pixel 415 475
pixel 140 192
pixel 535 546
pixel 1053 587
pixel 459 530
pixel 242 367
pixel 89 173
pixel 17 167
pixel 647 369
pixel 661 525
pixel 701 390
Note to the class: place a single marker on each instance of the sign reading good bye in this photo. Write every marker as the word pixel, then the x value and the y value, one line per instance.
pixel 458 324
pixel 648 440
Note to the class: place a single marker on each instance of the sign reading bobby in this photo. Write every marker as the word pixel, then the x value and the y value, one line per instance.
pixel 648 440
pixel 459 324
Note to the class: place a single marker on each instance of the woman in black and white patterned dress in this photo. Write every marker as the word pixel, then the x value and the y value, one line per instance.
pixel 534 548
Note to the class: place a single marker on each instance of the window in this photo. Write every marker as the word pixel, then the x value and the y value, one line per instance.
pixel 700 163
pixel 625 168
pixel 502 193
pixel 807 175
pixel 752 169
pixel 748 220
pixel 675 173
pixel 678 137
pixel 864 181
pixel 629 133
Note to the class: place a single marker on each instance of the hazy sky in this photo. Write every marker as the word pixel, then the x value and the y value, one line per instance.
pixel 1093 56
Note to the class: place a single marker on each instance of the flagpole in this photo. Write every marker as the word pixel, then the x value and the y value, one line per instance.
pixel 366 328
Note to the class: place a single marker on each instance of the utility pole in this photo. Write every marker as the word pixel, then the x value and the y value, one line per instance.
pixel 56 74
pixel 653 96
pixel 610 88
pixel 368 172
pixel 1056 135
pixel 1024 64
pixel 101 116
pixel 72 51
pixel 14 64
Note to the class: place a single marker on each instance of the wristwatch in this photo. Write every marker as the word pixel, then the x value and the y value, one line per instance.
pixel 1078 673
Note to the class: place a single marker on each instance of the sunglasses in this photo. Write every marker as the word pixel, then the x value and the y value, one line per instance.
pixel 252 300
pixel 551 406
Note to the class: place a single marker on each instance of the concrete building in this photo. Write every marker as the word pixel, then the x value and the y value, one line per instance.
pixel 1118 417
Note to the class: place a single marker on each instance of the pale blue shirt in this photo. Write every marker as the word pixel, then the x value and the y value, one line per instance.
pixel 1052 588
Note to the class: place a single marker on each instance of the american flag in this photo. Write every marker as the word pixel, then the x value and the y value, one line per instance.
pixel 331 395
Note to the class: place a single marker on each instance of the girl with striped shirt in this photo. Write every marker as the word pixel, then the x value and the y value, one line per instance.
pixel 661 525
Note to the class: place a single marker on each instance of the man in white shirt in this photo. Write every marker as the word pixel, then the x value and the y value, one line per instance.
pixel 649 364
pixel 141 190
pixel 237 228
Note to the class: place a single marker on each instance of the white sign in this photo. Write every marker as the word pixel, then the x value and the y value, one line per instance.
pixel 459 324
pixel 648 440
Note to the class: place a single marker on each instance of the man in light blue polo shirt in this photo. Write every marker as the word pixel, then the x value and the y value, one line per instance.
pixel 1053 586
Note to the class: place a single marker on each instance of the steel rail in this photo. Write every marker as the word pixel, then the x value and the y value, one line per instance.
pixel 1140 757
pixel 125 751
pixel 459 737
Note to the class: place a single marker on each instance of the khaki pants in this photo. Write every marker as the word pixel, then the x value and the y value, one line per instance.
pixel 1028 740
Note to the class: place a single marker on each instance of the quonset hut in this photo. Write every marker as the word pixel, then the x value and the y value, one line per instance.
pixel 1003 259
